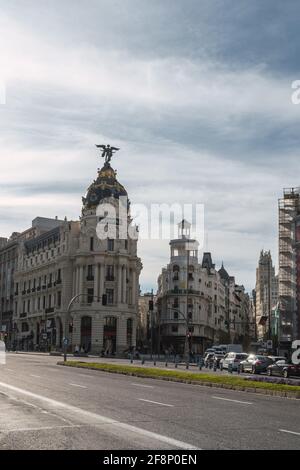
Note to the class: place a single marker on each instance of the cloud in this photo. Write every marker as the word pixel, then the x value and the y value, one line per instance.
pixel 197 96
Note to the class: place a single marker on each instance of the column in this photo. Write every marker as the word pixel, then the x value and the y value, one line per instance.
pixel 119 284
pixel 124 285
pixel 80 290
pixel 74 290
pixel 77 281
pixel 96 282
pixel 102 274
pixel 134 288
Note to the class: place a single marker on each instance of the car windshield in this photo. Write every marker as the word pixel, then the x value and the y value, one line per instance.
pixel 261 358
pixel 241 356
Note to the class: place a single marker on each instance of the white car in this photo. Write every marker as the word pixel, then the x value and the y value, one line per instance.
pixel 232 358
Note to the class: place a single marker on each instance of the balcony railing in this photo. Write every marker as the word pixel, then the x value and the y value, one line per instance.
pixel 90 278
pixel 49 310
pixel 110 278
pixel 23 315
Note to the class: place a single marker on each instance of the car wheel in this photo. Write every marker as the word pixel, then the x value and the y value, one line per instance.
pixel 269 372
pixel 286 374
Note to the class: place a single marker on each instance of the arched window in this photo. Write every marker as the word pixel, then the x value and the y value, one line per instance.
pixel 176 268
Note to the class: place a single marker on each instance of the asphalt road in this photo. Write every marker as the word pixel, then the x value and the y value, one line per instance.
pixel 45 406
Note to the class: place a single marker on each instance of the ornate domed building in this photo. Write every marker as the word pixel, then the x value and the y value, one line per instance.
pixel 86 281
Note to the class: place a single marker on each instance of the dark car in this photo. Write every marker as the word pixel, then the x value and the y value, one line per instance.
pixel 255 364
pixel 283 369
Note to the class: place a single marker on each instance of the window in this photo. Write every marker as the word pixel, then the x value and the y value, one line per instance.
pixel 92 244
pixel 175 315
pixel 25 327
pixel 174 329
pixel 109 273
pixel 59 299
pixel 90 296
pixel 110 245
pixel 110 296
pixel 90 273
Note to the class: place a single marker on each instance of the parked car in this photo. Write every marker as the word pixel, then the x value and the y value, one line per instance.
pixel 277 358
pixel 255 364
pixel 232 358
pixel 283 369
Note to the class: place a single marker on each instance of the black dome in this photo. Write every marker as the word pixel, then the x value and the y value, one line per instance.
pixel 105 186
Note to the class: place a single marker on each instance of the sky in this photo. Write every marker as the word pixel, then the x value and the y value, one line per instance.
pixel 196 93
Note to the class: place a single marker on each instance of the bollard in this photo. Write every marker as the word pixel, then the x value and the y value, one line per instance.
pixel 143 361
pixel 238 369
pixel 154 362
pixel 131 358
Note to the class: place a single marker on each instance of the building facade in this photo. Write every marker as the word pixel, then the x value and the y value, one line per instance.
pixel 73 283
pixel 266 291
pixel 289 267
pixel 9 255
pixel 195 300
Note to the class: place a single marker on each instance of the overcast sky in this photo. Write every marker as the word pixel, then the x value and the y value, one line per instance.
pixel 197 93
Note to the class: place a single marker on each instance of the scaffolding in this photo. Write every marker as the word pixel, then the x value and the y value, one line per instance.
pixel 289 251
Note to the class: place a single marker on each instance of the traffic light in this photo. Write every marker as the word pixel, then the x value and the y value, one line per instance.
pixel 151 305
pixel 104 299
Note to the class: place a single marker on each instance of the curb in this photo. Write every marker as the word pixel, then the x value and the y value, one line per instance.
pixel 277 393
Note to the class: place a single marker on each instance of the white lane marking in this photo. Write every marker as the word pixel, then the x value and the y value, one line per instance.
pixel 235 401
pixel 36 376
pixel 46 428
pixel 155 402
pixel 94 416
pixel 290 432
pixel 144 386
pixel 77 385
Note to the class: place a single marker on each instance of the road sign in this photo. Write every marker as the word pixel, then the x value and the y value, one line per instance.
pixel 269 344
pixel 66 341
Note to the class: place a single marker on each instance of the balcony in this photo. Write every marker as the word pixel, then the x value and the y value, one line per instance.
pixel 50 285
pixel 23 315
pixel 59 281
pixel 38 288
pixel 90 278
pixel 33 289
pixel 28 291
pixel 23 292
pixel 110 278
pixel 49 310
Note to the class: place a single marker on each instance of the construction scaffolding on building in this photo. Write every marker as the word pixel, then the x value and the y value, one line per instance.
pixel 289 266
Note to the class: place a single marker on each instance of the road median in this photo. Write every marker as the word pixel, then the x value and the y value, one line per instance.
pixel 229 382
